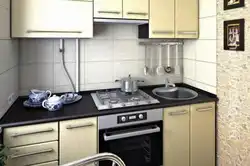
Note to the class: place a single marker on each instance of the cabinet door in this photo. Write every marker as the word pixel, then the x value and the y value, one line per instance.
pixel 78 139
pixel 176 136
pixel 5 19
pixel 52 18
pixel 161 19
pixel 108 8
pixel 136 9
pixel 187 20
pixel 202 136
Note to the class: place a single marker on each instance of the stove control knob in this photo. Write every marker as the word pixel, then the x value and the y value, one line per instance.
pixel 123 119
pixel 141 116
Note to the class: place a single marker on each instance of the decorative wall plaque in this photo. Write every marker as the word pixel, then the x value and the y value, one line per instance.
pixel 234 37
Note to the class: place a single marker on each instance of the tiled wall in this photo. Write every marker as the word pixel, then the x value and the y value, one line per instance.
pixel 233 90
pixel 200 55
pixel 113 53
pixel 8 60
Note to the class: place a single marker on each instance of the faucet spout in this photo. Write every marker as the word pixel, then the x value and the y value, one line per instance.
pixel 168 84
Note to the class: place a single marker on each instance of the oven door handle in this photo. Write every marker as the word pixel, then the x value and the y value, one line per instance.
pixel 151 130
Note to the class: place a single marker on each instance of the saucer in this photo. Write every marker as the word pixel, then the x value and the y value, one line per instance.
pixel 77 98
pixel 27 103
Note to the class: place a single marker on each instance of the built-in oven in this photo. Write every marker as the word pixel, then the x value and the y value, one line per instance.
pixel 135 137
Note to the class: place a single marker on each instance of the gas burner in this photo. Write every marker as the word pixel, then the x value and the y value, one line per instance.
pixel 110 99
pixel 134 99
pixel 113 101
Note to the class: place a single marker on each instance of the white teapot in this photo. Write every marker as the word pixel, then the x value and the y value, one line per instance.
pixel 53 103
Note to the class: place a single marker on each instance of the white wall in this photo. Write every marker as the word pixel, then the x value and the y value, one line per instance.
pixel 8 59
pixel 200 55
pixel 113 53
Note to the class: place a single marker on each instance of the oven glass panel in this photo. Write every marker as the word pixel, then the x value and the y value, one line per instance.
pixel 140 150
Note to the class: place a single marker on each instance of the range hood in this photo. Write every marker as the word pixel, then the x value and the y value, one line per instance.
pixel 116 21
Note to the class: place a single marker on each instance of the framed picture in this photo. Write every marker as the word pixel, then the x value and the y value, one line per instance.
pixel 234 37
pixel 231 4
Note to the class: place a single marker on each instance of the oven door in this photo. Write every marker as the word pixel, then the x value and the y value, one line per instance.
pixel 139 145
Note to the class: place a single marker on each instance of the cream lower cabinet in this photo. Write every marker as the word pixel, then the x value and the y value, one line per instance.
pixel 52 19
pixel 202 135
pixel 78 139
pixel 108 8
pixel 161 20
pixel 176 136
pixel 33 154
pixel 186 18
pixel 136 9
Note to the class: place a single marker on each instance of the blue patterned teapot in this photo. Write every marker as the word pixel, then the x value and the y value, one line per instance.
pixel 53 103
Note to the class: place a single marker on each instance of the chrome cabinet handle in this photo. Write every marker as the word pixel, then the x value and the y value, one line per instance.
pixel 137 13
pixel 80 126
pixel 151 130
pixel 204 109
pixel 178 113
pixel 163 32
pixel 108 12
pixel 187 32
pixel 31 153
pixel 50 31
pixel 33 132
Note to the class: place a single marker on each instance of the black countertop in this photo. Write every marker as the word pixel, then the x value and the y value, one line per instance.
pixel 19 115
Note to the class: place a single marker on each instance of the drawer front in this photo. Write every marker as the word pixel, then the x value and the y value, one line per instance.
pixel 32 154
pixel 53 163
pixel 32 134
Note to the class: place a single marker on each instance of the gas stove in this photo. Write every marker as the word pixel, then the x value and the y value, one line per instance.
pixel 109 99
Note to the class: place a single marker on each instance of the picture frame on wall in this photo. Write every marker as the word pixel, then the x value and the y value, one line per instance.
pixel 234 35
pixel 232 4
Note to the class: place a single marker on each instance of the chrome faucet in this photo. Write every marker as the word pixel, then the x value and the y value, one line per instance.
pixel 117 161
pixel 168 84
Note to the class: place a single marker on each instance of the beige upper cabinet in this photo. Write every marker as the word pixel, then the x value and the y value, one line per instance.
pixel 4 19
pixel 108 8
pixel 176 136
pixel 136 9
pixel 202 138
pixel 78 139
pixel 52 18
pixel 161 20
pixel 186 16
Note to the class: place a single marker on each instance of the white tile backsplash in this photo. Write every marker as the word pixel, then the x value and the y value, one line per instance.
pixel 126 50
pixel 208 28
pixel 8 59
pixel 124 68
pixel 36 51
pixel 36 75
pixel 206 73
pixel 206 50
pixel 189 68
pixel 114 52
pixel 70 50
pixel 207 8
pixel 189 49
pixel 61 79
pixel 99 72
pixel 99 50
pixel 205 87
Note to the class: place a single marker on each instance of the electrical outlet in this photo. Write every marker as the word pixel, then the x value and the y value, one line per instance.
pixel 11 98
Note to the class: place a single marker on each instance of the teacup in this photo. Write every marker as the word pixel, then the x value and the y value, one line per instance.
pixel 53 103
pixel 38 96
pixel 69 97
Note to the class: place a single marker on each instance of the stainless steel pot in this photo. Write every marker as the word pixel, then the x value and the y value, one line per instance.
pixel 129 84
